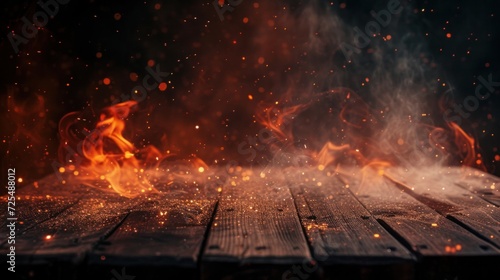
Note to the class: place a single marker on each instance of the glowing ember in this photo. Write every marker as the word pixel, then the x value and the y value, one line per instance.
pixel 275 89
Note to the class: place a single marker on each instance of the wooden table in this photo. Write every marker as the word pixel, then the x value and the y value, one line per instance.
pixel 275 224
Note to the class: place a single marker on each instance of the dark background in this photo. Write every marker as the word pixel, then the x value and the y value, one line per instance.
pixel 57 71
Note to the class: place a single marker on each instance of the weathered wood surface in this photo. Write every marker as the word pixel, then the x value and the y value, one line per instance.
pixel 256 233
pixel 480 183
pixel 302 224
pixel 57 229
pixel 445 249
pixel 101 233
pixel 39 202
pixel 436 189
pixel 342 232
pixel 159 239
pixel 32 210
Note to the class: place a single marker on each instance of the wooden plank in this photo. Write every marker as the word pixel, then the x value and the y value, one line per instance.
pixel 39 202
pixel 33 210
pixel 436 189
pixel 55 248
pixel 160 239
pixel 480 183
pixel 256 233
pixel 445 249
pixel 346 239
pixel 60 246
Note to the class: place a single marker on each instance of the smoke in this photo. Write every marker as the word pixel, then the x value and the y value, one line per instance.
pixel 315 76
pixel 319 80
pixel 330 84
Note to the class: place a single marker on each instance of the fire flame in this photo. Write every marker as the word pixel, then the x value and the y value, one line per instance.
pixel 334 128
pixel 107 155
pixel 120 167
pixel 352 138
pixel 467 148
pixel 345 120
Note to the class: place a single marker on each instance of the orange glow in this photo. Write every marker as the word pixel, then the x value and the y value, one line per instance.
pixel 467 149
pixel 118 166
pixel 117 163
pixel 162 86
pixel 329 154
pixel 110 157
pixel 452 249
pixel 351 114
pixel 310 120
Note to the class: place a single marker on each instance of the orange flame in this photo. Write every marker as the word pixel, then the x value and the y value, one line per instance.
pixel 107 155
pixel 467 148
pixel 346 120
pixel 120 167
pixel 356 136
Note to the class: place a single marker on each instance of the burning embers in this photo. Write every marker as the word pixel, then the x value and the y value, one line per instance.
pixel 282 80
pixel 337 128
pixel 334 129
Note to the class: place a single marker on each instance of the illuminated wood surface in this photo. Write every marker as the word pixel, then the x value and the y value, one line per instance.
pixel 294 226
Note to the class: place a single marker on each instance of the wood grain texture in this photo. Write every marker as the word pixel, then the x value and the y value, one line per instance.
pixel 445 249
pixel 480 183
pixel 32 210
pixel 362 226
pixel 339 226
pixel 428 232
pixel 345 238
pixel 160 232
pixel 39 202
pixel 103 229
pixel 436 189
pixel 159 239
pixel 55 248
pixel 256 233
